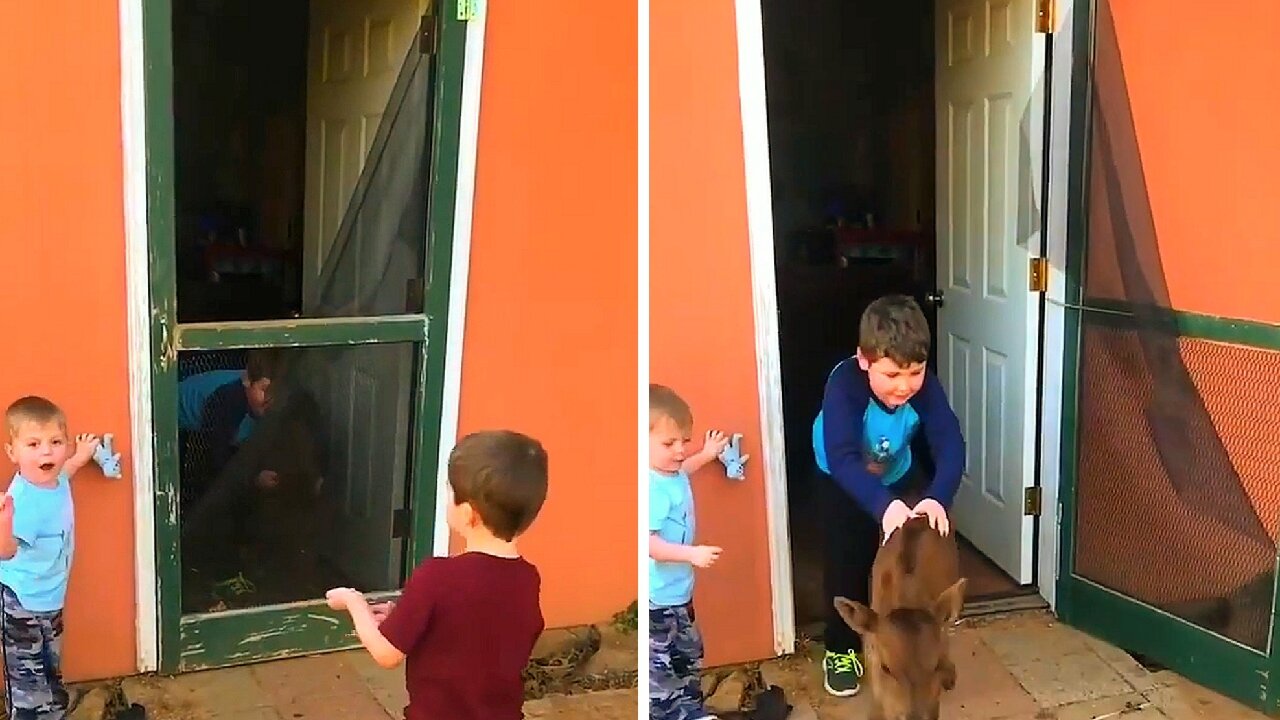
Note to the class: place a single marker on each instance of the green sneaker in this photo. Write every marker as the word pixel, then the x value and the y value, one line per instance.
pixel 841 673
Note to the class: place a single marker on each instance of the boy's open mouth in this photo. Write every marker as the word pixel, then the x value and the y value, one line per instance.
pixel 47 467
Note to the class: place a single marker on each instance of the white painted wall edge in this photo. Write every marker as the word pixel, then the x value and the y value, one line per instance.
pixel 460 268
pixel 1053 401
pixel 764 305
pixel 133 123
pixel 1037 129
pixel 642 327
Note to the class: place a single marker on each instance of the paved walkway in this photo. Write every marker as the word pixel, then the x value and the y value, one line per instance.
pixel 1027 667
pixel 1019 667
pixel 345 685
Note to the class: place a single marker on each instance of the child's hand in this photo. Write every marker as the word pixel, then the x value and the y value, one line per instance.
pixel 86 444
pixel 704 556
pixel 6 512
pixel 937 515
pixel 894 517
pixel 341 598
pixel 716 441
pixel 381 611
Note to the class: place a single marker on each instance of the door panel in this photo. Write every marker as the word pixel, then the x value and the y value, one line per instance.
pixel 988 63
pixel 371 252
pixel 368 391
pixel 355 53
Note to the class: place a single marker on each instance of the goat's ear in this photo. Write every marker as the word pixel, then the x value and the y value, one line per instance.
pixel 949 604
pixel 858 616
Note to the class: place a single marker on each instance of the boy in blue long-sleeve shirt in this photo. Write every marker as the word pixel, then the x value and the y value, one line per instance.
pixel 217 412
pixel 875 405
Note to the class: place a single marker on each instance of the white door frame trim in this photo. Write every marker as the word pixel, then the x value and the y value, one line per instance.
pixel 1053 350
pixel 133 123
pixel 138 299
pixel 460 268
pixel 752 96
pixel 764 304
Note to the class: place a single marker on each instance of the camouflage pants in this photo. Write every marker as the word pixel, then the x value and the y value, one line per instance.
pixel 32 661
pixel 675 665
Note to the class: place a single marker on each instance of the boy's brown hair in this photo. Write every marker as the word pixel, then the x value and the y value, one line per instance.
pixel 665 403
pixel 262 363
pixel 32 408
pixel 894 327
pixel 503 474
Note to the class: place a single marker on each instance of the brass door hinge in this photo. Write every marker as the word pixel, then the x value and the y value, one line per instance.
pixel 1031 501
pixel 1038 275
pixel 1045 16
pixel 468 9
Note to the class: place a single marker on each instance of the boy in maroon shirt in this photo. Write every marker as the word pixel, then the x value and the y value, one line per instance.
pixel 466 624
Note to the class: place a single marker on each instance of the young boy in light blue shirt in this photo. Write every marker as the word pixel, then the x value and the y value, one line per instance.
pixel 675 645
pixel 37 542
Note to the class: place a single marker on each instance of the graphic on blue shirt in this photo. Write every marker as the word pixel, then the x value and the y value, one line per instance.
pixel 886 442
pixel 44 526
pixel 671 517
pixel 887 439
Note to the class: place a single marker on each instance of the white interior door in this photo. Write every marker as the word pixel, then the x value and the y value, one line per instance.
pixel 355 51
pixel 367 392
pixel 989 64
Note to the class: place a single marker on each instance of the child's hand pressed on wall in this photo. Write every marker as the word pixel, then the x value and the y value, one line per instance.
pixel 86 444
pixel 704 556
pixel 381 611
pixel 937 515
pixel 715 442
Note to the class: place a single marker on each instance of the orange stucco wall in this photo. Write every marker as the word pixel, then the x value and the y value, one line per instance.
pixel 62 279
pixel 550 344
pixel 701 336
pixel 1202 100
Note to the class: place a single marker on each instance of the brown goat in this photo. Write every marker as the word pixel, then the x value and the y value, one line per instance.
pixel 916 592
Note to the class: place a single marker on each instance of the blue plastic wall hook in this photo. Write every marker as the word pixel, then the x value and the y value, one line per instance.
pixel 734 461
pixel 108 460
